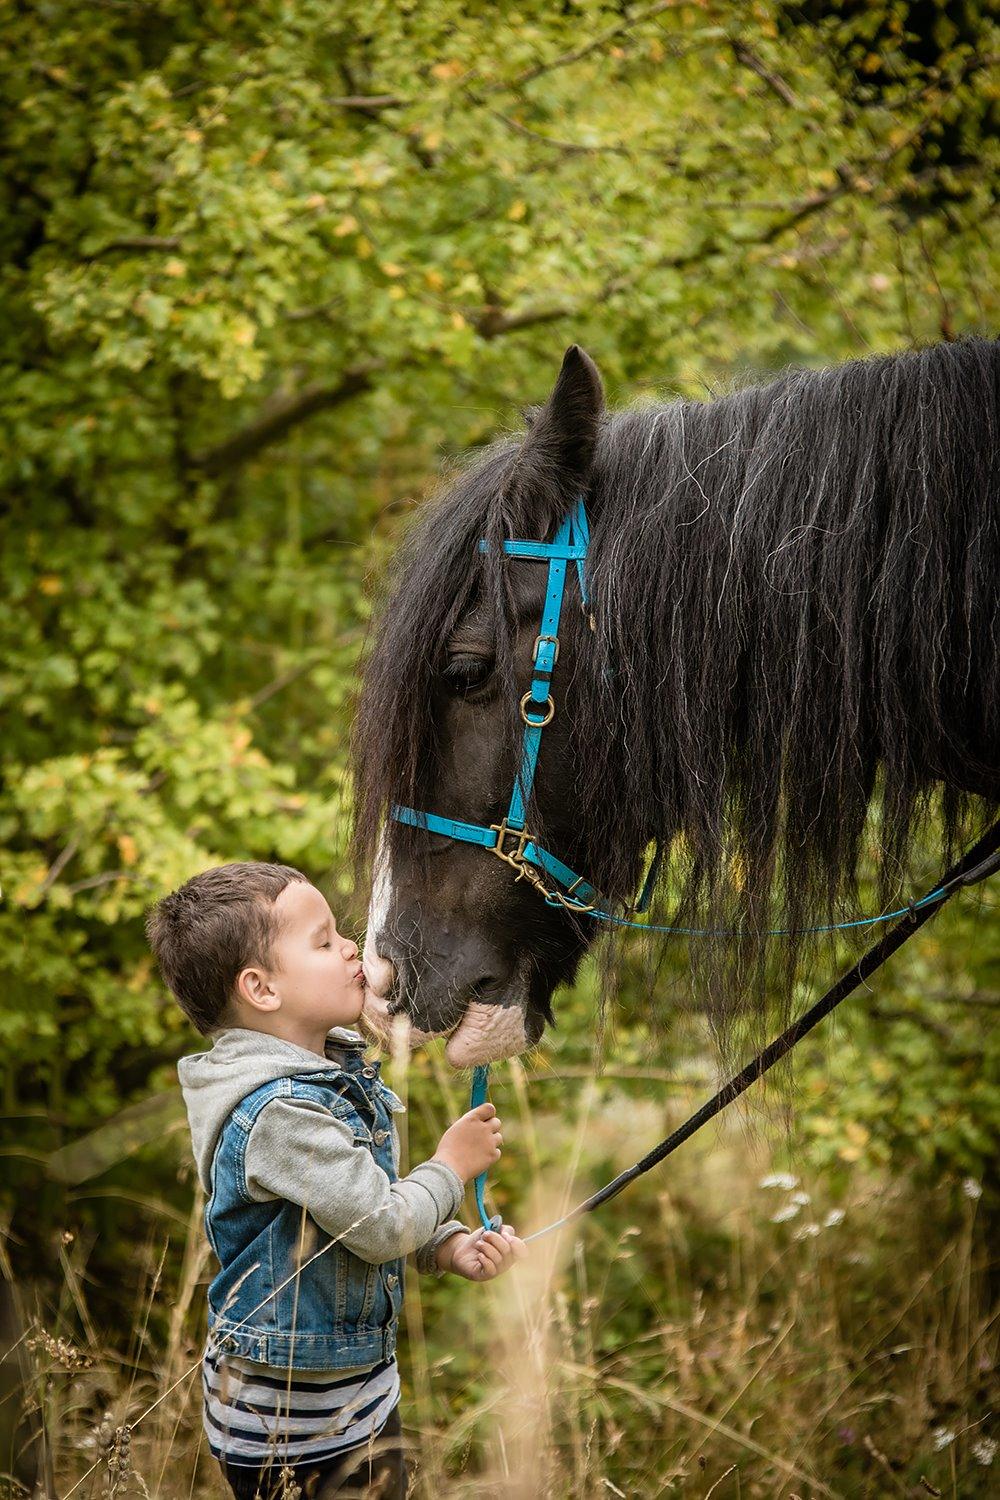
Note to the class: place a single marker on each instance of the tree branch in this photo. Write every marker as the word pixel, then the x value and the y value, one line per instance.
pixel 367 104
pixel 493 321
pixel 139 242
pixel 565 59
pixel 283 412
pixel 749 59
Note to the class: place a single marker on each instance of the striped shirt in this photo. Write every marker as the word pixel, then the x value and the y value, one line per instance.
pixel 259 1413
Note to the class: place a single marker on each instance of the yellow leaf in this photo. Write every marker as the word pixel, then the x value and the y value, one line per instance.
pixel 457 321
pixel 434 279
pixel 397 293
pixel 140 975
pixel 432 139
pixel 316 200
pixel 174 267
pixel 28 889
pixel 194 136
pixel 391 269
pixel 127 848
pixel 244 332
pixel 256 157
pixel 517 210
pixel 346 226
pixel 49 583
pixel 453 69
pixel 363 247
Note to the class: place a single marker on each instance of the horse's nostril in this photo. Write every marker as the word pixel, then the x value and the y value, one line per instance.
pixel 483 988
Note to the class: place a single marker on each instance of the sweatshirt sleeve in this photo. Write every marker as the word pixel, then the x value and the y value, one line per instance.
pixel 298 1151
pixel 426 1256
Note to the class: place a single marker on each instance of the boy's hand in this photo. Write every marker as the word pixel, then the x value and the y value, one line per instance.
pixel 472 1144
pixel 482 1255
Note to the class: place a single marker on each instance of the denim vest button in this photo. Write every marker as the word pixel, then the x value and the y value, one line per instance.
pixel 380 1137
pixel 368 1072
pixel 392 1280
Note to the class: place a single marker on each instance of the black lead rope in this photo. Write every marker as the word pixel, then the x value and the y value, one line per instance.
pixel 977 864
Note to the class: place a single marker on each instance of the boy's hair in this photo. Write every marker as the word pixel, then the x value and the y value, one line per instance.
pixel 213 926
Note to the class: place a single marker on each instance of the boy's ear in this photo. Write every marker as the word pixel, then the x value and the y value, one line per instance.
pixel 253 988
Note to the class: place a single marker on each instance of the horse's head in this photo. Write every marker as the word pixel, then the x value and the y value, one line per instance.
pixel 456 941
pixel 756 678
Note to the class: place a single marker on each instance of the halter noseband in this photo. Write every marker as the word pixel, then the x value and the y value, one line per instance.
pixel 510 840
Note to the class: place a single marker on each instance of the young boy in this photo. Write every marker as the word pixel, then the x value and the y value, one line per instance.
pixel 297 1150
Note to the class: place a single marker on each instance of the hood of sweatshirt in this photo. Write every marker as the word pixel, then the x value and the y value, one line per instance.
pixel 237 1063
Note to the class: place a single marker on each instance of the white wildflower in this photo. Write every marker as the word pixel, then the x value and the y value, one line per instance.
pixel 941 1437
pixel 801 1199
pixel 972 1189
pixel 784 1214
pixel 985 1451
pixel 806 1232
pixel 782 1180
pixel 833 1218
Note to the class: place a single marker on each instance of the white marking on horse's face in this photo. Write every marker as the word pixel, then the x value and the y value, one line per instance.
pixel 485 1033
pixel 380 974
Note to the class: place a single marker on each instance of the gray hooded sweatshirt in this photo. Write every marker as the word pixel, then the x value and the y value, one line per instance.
pixel 299 1153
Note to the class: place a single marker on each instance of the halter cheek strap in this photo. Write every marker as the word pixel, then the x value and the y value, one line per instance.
pixel 510 839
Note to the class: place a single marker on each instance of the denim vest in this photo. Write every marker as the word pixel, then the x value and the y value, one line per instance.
pixel 337 1310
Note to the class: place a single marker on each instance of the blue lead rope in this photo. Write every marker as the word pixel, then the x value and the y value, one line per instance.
pixel 478 1094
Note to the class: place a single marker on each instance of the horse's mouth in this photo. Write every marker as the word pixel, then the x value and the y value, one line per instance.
pixel 482 1034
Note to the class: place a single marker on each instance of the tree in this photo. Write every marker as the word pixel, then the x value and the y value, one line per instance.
pixel 265 265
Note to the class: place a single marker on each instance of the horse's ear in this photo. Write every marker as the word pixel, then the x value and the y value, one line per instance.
pixel 558 448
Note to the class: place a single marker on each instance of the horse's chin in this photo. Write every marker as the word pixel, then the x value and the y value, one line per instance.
pixel 486 1033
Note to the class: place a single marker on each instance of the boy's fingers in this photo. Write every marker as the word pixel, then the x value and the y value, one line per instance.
pixel 489 1252
pixel 484 1111
pixel 514 1243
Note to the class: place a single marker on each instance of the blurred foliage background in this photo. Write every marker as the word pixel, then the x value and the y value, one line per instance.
pixel 267 270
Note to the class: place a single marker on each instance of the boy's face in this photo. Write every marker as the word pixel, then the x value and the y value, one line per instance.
pixel 315 973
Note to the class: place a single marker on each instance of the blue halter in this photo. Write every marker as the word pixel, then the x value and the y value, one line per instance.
pixel 510 840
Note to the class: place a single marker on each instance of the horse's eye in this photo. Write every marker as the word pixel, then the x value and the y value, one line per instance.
pixel 465 671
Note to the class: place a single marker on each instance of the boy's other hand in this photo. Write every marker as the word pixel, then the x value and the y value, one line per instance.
pixel 472 1144
pixel 482 1255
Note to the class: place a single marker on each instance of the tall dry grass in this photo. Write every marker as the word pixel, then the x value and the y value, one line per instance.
pixel 706 1335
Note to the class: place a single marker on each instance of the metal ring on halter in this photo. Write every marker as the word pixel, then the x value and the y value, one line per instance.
pixel 549 712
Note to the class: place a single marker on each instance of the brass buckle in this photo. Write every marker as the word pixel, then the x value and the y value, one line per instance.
pixel 515 859
pixel 537 723
pixel 538 641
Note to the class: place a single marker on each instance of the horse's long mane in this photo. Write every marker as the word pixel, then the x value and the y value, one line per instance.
pixel 797 587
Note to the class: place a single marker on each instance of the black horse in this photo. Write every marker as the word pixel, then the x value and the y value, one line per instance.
pixel 789 657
